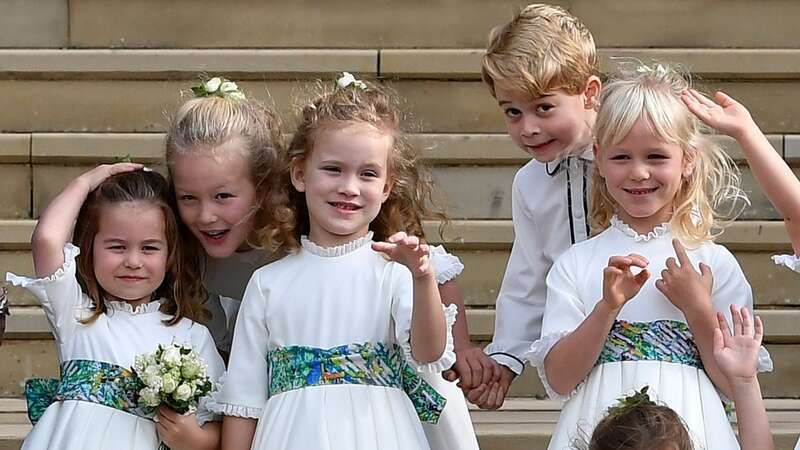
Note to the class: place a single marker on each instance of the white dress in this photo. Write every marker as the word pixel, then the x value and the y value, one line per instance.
pixel 324 298
pixel 575 287
pixel 792 262
pixel 116 338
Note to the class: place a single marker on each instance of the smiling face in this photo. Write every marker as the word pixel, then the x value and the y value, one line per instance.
pixel 345 180
pixel 216 198
pixel 550 126
pixel 643 173
pixel 130 256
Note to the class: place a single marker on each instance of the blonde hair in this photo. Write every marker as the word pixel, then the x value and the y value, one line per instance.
pixel 542 49
pixel 339 107
pixel 708 196
pixel 203 125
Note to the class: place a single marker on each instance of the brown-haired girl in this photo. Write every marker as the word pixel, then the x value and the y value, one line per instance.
pixel 118 291
pixel 330 338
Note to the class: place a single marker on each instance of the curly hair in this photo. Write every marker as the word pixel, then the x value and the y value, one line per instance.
pixel 183 293
pixel 334 108
pixel 709 198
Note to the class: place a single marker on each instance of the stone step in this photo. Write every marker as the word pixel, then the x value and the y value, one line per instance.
pixel 352 24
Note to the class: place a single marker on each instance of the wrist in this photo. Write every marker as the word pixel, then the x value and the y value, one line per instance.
pixel 744 383
pixel 604 309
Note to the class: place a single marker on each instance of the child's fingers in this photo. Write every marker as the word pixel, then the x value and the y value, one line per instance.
pixel 680 252
pixel 642 277
pixel 494 399
pixel 758 335
pixel 706 272
pixel 719 341
pixel 747 324
pixel 702 99
pixel 724 99
pixel 450 375
pixel 737 320
pixel 722 325
pixel 384 247
pixel 672 264
pixel 397 237
pixel 638 260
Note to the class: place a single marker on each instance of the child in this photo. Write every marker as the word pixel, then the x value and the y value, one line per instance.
pixel 656 185
pixel 222 148
pixel 118 293
pixel 638 423
pixel 542 69
pixel 335 322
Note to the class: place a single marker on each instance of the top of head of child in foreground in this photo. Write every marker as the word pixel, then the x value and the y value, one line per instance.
pixel 221 149
pixel 348 170
pixel 127 231
pixel 542 69
pixel 638 423
pixel 653 162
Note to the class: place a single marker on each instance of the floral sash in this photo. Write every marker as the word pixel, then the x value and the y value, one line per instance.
pixel 661 340
pixel 90 381
pixel 296 367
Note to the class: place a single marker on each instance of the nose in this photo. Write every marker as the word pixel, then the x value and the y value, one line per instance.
pixel 348 186
pixel 133 259
pixel 639 172
pixel 208 213
pixel 530 125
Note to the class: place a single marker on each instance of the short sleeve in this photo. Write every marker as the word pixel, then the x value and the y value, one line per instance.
pixel 564 312
pixel 790 261
pixel 446 265
pixel 731 287
pixel 242 390
pixel 402 306
pixel 204 345
pixel 59 294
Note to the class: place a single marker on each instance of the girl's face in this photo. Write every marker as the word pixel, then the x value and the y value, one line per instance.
pixel 345 180
pixel 130 251
pixel 216 198
pixel 643 174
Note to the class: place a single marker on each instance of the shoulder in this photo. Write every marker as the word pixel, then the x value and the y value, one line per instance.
pixel 532 174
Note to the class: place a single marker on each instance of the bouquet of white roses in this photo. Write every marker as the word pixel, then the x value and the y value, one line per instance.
pixel 174 376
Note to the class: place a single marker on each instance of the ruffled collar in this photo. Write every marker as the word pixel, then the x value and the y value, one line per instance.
pixel 655 233
pixel 338 250
pixel 145 308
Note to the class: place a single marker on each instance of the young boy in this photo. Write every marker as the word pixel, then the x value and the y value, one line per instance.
pixel 543 71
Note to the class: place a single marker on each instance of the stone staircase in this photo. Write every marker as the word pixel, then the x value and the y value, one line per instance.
pixel 87 81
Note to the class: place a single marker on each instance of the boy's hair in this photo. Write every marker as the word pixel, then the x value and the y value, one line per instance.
pixel 334 108
pixel 184 294
pixel 542 49
pixel 709 197
pixel 202 125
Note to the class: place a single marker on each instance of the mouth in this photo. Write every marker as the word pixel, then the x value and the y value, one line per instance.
pixel 345 206
pixel 131 278
pixel 539 147
pixel 214 235
pixel 640 191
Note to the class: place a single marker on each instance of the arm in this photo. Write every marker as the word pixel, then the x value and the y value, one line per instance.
pixel 737 358
pixel 770 170
pixel 238 432
pixel 573 357
pixel 54 228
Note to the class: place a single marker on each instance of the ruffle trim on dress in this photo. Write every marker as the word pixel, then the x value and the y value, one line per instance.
pixel 70 253
pixel 447 266
pixel 213 404
pixel 339 250
pixel 144 308
pixel 626 229
pixel 790 261
pixel 764 360
pixel 448 357
pixel 537 354
pixel 203 415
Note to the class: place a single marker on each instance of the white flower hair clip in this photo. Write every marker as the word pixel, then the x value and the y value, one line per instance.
pixel 347 79
pixel 658 70
pixel 218 87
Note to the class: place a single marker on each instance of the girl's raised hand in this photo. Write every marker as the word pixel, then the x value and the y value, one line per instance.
pixel 737 354
pixel 95 176
pixel 619 282
pixel 726 115
pixel 683 286
pixel 408 251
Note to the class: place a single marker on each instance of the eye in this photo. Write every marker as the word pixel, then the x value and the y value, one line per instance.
pixel 224 196
pixel 116 247
pixel 186 197
pixel 619 157
pixel 370 173
pixel 657 156
pixel 151 248
pixel 544 108
pixel 512 113
pixel 331 169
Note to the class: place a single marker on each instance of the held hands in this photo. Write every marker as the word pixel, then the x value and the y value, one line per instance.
pixel 737 354
pixel 726 115
pixel 619 283
pixel 408 251
pixel 473 368
pixel 94 177
pixel 683 286
pixel 493 394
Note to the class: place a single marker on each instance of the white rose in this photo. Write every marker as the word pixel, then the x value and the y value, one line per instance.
pixel 237 95
pixel 191 369
pixel 152 377
pixel 228 87
pixel 169 384
pixel 213 84
pixel 183 392
pixel 149 397
pixel 346 79
pixel 171 356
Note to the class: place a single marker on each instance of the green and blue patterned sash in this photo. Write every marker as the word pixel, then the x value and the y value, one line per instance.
pixel 661 340
pixel 89 381
pixel 297 367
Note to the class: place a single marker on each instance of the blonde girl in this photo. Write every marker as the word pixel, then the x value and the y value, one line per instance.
pixel 610 328
pixel 117 291
pixel 341 325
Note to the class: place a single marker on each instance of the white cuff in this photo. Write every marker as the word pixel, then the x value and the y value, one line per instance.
pixel 70 253
pixel 214 405
pixel 537 355
pixel 446 265
pixel 764 360
pixel 448 357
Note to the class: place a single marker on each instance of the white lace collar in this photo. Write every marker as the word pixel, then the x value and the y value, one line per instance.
pixel 655 233
pixel 144 308
pixel 338 250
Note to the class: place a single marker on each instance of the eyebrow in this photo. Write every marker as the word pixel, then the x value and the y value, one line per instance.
pixel 506 102
pixel 123 241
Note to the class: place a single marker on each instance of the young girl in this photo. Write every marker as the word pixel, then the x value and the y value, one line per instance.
pixel 658 185
pixel 119 292
pixel 337 325
pixel 222 149
pixel 639 423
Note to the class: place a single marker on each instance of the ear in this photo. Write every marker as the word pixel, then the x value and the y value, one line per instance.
pixel 387 189
pixel 596 151
pixel 591 94
pixel 688 163
pixel 298 175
